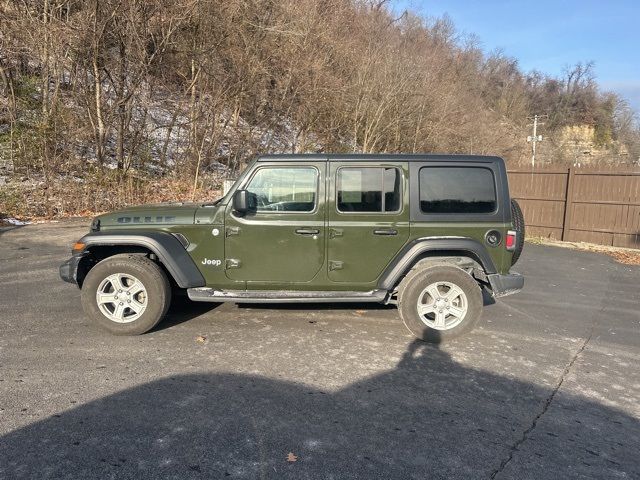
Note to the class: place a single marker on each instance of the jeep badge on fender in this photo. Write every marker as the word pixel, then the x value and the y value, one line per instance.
pixel 214 262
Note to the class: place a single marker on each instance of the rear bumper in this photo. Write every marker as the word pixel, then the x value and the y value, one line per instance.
pixel 69 269
pixel 503 285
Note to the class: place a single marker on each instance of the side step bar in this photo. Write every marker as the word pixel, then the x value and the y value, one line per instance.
pixel 204 294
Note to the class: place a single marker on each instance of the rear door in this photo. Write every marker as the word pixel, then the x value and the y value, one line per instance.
pixel 282 241
pixel 368 218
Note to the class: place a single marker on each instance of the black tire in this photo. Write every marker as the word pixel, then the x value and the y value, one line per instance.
pixel 517 219
pixel 412 289
pixel 157 294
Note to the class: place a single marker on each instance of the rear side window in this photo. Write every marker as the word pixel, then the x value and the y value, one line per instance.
pixel 457 190
pixel 368 189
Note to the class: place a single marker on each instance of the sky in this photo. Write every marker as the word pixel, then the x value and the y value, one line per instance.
pixel 550 35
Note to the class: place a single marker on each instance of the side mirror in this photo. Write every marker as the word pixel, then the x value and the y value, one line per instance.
pixel 242 201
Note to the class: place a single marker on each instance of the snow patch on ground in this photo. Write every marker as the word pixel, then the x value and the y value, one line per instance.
pixel 13 221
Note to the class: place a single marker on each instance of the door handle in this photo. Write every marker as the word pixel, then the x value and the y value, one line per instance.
pixel 307 231
pixel 385 231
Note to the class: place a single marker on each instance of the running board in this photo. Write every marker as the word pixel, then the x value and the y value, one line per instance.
pixel 204 294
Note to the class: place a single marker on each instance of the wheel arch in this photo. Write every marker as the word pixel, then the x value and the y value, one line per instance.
pixel 449 250
pixel 167 249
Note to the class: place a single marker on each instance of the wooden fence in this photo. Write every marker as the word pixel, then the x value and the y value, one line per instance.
pixel 580 205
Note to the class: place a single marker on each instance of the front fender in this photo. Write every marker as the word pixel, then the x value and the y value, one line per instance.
pixel 170 252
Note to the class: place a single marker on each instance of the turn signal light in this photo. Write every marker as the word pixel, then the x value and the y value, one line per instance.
pixel 510 241
pixel 78 247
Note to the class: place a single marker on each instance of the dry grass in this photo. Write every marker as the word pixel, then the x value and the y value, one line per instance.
pixel 627 256
pixel 67 198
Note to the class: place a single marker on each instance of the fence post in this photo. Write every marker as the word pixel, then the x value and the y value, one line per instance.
pixel 568 204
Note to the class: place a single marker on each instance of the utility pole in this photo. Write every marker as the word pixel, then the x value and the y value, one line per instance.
pixel 535 138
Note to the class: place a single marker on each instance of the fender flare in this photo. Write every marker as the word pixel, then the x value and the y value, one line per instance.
pixel 413 250
pixel 170 252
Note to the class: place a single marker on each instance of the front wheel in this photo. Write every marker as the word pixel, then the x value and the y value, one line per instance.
pixel 126 294
pixel 440 302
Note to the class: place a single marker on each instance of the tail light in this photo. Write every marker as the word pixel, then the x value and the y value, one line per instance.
pixel 511 240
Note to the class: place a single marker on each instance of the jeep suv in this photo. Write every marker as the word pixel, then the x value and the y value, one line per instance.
pixel 424 232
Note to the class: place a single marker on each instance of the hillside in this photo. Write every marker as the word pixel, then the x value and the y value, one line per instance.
pixel 115 101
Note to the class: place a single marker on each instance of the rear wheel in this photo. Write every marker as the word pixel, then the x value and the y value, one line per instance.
pixel 126 294
pixel 440 302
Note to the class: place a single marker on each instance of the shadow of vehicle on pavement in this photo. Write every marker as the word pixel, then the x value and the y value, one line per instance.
pixel 182 310
pixel 430 417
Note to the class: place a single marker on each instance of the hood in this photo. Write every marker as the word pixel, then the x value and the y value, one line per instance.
pixel 150 215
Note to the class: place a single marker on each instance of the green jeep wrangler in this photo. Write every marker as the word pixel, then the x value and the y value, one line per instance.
pixel 424 232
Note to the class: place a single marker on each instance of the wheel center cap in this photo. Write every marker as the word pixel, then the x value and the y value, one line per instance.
pixel 440 303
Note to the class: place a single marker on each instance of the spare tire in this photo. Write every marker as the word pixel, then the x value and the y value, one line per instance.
pixel 517 218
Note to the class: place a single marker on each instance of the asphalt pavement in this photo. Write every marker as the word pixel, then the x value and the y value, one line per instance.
pixel 548 386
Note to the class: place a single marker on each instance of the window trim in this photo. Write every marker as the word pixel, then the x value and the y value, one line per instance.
pixel 379 167
pixel 316 202
pixel 495 190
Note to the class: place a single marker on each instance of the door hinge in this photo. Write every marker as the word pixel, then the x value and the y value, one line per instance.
pixel 231 263
pixel 335 232
pixel 232 231
pixel 335 265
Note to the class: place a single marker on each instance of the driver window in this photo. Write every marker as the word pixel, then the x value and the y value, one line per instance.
pixel 281 189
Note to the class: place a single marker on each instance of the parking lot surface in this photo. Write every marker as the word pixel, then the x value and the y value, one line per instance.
pixel 547 387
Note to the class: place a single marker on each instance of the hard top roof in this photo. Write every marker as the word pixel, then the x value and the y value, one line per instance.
pixel 377 157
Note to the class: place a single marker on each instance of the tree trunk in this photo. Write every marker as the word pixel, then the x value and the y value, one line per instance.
pixel 11 95
pixel 122 78
pixel 45 59
pixel 97 86
pixel 193 131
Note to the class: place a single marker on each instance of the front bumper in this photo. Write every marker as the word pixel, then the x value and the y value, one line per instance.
pixel 69 269
pixel 503 285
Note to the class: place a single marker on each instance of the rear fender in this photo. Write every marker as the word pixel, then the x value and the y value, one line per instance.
pixel 420 248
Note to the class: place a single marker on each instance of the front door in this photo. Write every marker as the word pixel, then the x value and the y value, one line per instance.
pixel 283 240
pixel 368 219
